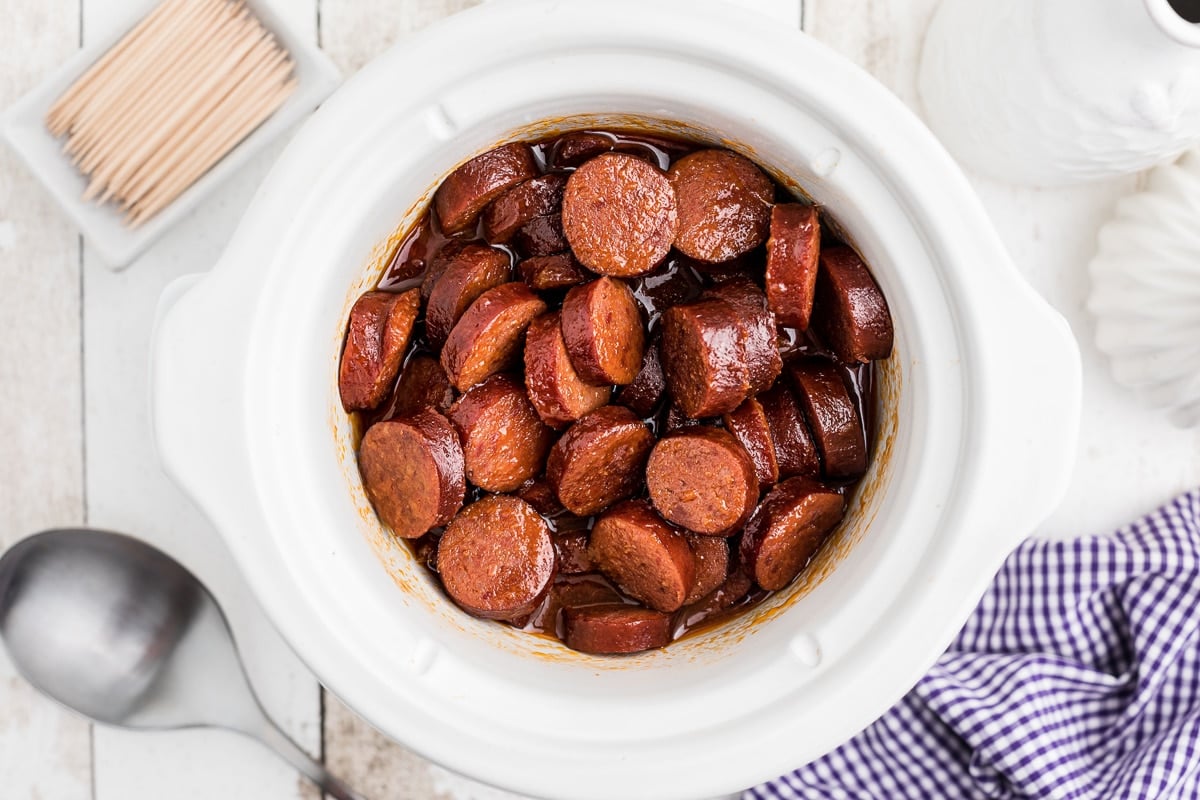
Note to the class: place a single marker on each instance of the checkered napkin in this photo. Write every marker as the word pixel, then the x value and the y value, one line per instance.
pixel 1078 676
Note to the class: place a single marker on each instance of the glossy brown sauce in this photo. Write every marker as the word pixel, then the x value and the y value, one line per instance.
pixel 677 280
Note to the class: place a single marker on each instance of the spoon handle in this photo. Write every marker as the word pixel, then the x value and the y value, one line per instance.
pixel 289 751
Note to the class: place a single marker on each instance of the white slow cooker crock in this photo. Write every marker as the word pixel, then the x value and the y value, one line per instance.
pixel 978 406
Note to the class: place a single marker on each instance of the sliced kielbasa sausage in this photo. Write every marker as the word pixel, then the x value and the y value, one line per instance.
pixel 468 190
pixel 724 205
pixel 541 236
pixel 619 215
pixel 573 556
pixel 574 591
pixel 614 629
pixel 672 283
pixel 437 265
pixel 471 271
pixel 558 271
pixel 487 338
pixel 787 529
pixel 496 558
pixel 555 388
pixel 538 494
pixel 602 326
pixel 599 460
pixel 504 442
pixel 748 424
pixel 792 253
pixel 702 479
pixel 646 557
pixel 851 314
pixel 672 419
pixel 704 357
pixel 573 149
pixel 795 451
pixel 412 256
pixel 592 590
pixel 522 204
pixel 760 340
pixel 376 338
pixel 423 384
pixel 832 416
pixel 644 393
pixel 712 606
pixel 412 470
pixel 712 565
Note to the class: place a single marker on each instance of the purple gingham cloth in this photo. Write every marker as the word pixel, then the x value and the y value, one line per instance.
pixel 1078 676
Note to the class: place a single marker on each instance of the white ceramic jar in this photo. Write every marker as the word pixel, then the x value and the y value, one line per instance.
pixel 977 417
pixel 1053 92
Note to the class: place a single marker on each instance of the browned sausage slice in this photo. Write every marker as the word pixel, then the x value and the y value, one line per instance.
pixel 412 255
pixel 438 262
pixel 497 559
pixel 619 215
pixel 712 565
pixel 412 470
pixel 504 443
pixel 851 313
pixel 787 529
pixel 704 358
pixel 471 271
pixel 795 451
pixel 673 419
pixel 488 337
pixel 644 393
pixel 541 236
pixel 573 149
pixel 592 590
pixel 599 460
pixel 646 557
pixel 556 390
pixel 713 605
pixel 615 629
pixel 724 205
pixel 761 341
pixel 702 479
pixel 468 189
pixel 376 338
pixel 832 416
pixel 792 253
pixel 674 282
pixel 748 424
pixel 558 271
pixel 538 494
pixel 423 384
pixel 602 326
pixel 521 204
pixel 573 557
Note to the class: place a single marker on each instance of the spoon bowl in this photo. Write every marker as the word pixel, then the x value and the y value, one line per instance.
pixel 120 632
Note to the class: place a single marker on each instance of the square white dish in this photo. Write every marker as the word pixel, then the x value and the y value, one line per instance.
pixel 23 126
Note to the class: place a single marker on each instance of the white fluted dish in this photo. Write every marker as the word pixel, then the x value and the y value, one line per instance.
pixel 1146 291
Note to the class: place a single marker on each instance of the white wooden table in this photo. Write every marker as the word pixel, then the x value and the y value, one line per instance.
pixel 76 444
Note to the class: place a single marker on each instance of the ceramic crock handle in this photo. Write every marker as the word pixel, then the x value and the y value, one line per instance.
pixel 1040 417
pixel 194 368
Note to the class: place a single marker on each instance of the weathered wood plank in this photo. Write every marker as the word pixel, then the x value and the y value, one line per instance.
pixel 882 36
pixel 355 31
pixel 44 751
pixel 127 491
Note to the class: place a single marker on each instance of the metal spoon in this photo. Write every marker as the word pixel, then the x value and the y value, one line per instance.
pixel 120 632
